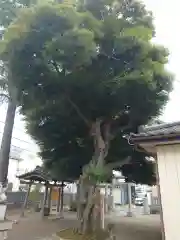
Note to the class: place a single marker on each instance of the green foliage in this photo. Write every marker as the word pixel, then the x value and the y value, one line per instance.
pixel 9 10
pixel 140 171
pixel 75 235
pixel 97 174
pixel 74 62
pixel 7 13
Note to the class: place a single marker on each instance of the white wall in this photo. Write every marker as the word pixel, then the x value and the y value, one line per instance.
pixel 169 179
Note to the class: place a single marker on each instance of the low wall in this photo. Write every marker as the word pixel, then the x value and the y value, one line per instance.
pixel 16 199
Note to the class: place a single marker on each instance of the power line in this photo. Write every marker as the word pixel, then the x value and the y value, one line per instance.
pixel 20 139
pixel 19 129
pixel 23 149
pixel 16 137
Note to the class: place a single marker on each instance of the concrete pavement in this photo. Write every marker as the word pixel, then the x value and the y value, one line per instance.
pixel 139 227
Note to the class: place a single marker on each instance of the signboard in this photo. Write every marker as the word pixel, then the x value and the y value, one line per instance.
pixel 55 194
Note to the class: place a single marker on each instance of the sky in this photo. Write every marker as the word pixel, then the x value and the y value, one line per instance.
pixel 22 145
pixel 166 18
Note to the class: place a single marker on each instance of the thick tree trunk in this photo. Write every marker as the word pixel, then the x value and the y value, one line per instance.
pixel 87 226
pixel 89 198
pixel 6 141
pixel 89 207
pixel 80 204
pixel 89 210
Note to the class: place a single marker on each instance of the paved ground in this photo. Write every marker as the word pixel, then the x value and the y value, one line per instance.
pixel 138 227
pixel 34 228
pixel 135 228
pixel 122 210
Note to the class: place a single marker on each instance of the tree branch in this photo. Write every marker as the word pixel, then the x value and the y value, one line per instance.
pixel 76 108
pixel 107 138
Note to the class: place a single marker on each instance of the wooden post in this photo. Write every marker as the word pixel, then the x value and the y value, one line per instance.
pixel 112 193
pixel 122 194
pixel 49 197
pixel 44 201
pixel 26 200
pixel 59 200
pixel 62 199
pixel 106 203
pixel 102 209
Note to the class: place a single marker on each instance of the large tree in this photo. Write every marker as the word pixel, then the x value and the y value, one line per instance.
pixel 87 75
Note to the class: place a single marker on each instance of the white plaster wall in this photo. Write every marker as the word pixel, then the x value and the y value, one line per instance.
pixel 168 158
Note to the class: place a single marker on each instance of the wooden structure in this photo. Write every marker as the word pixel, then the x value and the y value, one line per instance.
pixel 38 175
pixel 163 142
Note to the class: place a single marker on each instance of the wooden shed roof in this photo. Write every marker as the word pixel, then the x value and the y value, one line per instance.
pixel 39 175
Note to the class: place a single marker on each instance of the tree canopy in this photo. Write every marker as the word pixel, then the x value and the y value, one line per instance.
pixel 77 61
pixel 8 12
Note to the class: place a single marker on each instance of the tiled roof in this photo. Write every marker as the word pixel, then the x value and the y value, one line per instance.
pixel 38 174
pixel 161 129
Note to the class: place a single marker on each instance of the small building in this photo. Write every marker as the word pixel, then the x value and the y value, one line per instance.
pixel 163 142
pixel 53 194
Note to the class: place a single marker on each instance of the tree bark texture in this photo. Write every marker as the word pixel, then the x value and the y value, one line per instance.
pixel 89 199
pixel 89 206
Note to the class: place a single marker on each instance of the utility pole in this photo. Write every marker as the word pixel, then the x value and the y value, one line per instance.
pixel 6 142
pixel 4 165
